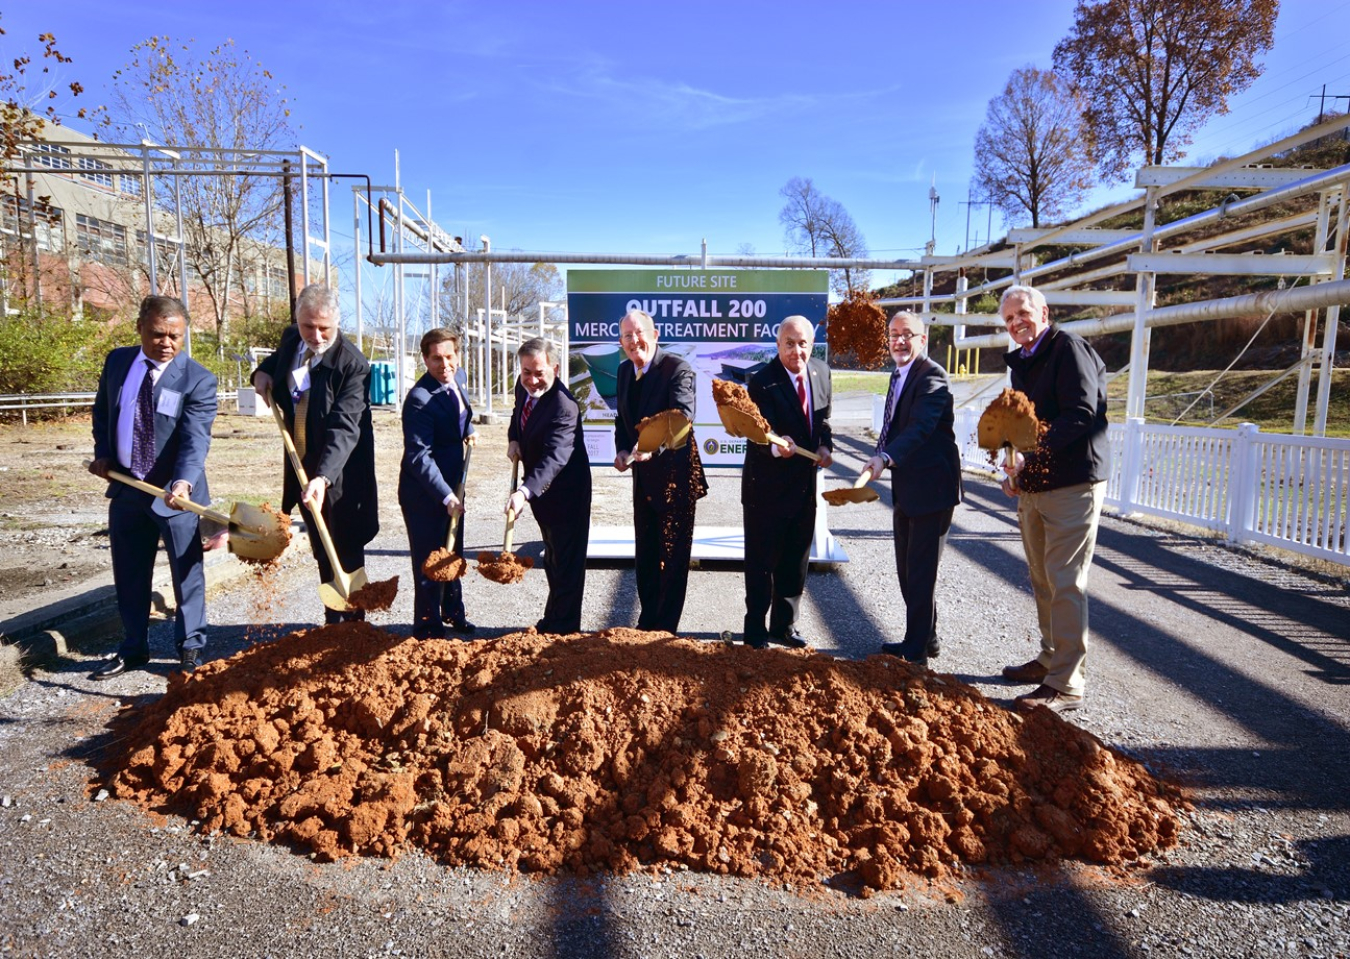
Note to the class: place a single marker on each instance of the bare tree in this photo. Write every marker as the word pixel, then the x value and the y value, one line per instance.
pixel 815 225
pixel 1032 156
pixel 225 100
pixel 519 287
pixel 1153 71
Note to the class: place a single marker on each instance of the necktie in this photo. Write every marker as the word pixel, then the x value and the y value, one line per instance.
pixel 801 398
pixel 143 426
pixel 890 410
pixel 302 405
pixel 526 411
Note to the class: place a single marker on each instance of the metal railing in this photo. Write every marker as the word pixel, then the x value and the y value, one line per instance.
pixel 23 402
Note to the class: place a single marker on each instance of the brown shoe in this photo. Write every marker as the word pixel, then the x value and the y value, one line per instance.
pixel 1049 697
pixel 1031 672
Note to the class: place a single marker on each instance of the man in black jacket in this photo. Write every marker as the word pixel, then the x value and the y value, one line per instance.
pixel 323 375
pixel 778 487
pixel 667 484
pixel 546 436
pixel 1059 488
pixel 918 445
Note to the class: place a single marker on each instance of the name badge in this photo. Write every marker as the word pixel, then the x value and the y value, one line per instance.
pixel 170 401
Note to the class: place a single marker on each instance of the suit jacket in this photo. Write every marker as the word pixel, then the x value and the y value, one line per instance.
pixel 926 464
pixel 182 437
pixel 433 446
pixel 772 482
pixel 553 452
pixel 668 477
pixel 339 437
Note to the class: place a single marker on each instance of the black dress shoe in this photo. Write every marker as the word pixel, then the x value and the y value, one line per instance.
pixel 757 642
pixel 461 625
pixel 896 650
pixel 934 646
pixel 189 660
pixel 117 665
pixel 791 639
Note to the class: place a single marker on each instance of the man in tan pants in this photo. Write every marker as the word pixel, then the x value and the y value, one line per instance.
pixel 1059 485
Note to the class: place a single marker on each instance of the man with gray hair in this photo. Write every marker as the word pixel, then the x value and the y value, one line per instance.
pixel 546 436
pixel 1059 488
pixel 325 400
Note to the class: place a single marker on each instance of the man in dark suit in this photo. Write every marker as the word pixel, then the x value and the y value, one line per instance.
pixel 918 445
pixel 545 435
pixel 667 484
pixel 778 487
pixel 152 420
pixel 437 423
pixel 324 376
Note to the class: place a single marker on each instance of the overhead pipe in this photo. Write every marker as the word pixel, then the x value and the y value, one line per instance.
pixel 697 260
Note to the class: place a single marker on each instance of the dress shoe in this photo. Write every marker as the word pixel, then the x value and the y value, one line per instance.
pixel 1049 697
pixel 332 617
pixel 791 639
pixel 461 625
pixel 189 660
pixel 895 649
pixel 1029 672
pixel 934 646
pixel 757 642
pixel 117 665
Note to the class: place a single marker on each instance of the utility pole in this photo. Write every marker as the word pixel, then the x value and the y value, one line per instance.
pixel 933 200
pixel 1323 97
pixel 968 203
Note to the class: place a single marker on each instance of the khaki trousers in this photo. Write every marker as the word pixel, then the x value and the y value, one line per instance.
pixel 1059 534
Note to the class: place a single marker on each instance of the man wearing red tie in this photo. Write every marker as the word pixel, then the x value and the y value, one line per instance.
pixel 918 445
pixel 545 435
pixel 152 419
pixel 778 487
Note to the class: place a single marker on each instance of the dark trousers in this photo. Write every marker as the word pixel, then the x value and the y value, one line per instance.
pixel 134 533
pixel 565 566
pixel 777 553
pixel 919 541
pixel 663 543
pixel 351 552
pixel 433 602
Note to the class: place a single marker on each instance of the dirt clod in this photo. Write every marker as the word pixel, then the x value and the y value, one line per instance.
pixel 443 566
pixel 504 568
pixel 623 749
pixel 376 596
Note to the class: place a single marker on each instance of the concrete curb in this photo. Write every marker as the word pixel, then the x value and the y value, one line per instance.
pixel 89 616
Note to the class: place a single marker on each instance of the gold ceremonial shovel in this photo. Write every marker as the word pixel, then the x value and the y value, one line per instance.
pixel 752 427
pixel 334 595
pixel 859 492
pixel 255 533
pixel 1009 423
pixel 669 428
pixel 444 565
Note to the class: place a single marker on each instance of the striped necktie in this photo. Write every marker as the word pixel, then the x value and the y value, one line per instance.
pixel 143 426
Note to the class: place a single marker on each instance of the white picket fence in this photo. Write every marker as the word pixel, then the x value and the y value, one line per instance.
pixel 1281 490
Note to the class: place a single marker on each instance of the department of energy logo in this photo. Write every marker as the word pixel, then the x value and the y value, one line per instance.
pixel 710 446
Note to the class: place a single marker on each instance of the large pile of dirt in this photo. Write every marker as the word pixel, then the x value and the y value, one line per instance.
pixel 622 749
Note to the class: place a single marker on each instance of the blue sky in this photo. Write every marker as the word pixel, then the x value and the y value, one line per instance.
pixel 642 128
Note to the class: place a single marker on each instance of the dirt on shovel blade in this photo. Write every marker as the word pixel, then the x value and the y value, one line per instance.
pixel 374 597
pixel 443 566
pixel 736 396
pixel 627 750
pixel 504 567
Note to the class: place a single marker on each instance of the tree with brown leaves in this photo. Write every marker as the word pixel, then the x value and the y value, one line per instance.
pixel 1032 156
pixel 1153 71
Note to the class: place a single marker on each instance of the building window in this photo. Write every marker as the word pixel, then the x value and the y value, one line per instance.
pixel 166 251
pixel 94 171
pixel 53 157
pixel 131 185
pixel 101 240
pixel 51 229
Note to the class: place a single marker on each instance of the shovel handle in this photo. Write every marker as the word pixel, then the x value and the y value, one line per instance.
pixel 511 517
pixel 158 493
pixel 340 577
pixel 863 479
pixel 781 443
pixel 459 495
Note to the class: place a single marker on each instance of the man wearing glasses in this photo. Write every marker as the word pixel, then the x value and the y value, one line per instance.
pixel 918 445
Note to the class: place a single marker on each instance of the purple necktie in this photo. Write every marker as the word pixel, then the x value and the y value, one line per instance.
pixel 143 427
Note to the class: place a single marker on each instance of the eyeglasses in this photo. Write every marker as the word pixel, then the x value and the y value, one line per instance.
pixel 906 336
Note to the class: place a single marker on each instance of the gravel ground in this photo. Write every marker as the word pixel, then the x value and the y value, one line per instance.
pixel 1221 671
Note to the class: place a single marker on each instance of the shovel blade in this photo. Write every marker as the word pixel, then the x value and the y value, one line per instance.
pixel 256 533
pixel 335 594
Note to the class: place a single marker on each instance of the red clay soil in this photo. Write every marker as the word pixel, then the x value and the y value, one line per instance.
pixel 376 596
pixel 444 566
pixel 857 328
pixel 622 750
pixel 736 396
pixel 505 568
